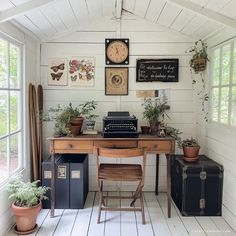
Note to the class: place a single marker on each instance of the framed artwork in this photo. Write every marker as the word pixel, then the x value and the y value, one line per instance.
pixel 57 71
pixel 162 70
pixel 81 71
pixel 116 80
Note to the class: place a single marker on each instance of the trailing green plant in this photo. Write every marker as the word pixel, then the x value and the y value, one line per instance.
pixel 199 51
pixel 88 109
pixel 63 116
pixel 155 108
pixel 25 194
pixel 175 133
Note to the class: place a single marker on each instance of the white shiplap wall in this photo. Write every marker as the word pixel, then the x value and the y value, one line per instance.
pixel 30 75
pixel 147 40
pixel 220 143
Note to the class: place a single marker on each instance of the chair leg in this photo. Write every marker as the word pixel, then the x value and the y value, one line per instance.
pixel 136 194
pixel 101 200
pixel 142 207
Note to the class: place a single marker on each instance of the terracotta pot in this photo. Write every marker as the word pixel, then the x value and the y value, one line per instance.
pixel 77 121
pixel 26 216
pixel 76 126
pixel 154 126
pixel 145 129
pixel 191 153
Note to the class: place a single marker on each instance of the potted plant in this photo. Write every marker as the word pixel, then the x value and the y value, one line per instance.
pixel 90 117
pixel 27 203
pixel 69 120
pixel 191 149
pixel 155 111
pixel 199 58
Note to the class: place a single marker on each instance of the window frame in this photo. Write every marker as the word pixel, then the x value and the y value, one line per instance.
pixel 21 90
pixel 230 85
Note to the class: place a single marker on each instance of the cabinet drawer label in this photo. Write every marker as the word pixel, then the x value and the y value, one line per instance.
pixel 75 174
pixel 47 174
pixel 61 172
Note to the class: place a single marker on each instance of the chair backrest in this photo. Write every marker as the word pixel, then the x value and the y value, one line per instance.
pixel 121 153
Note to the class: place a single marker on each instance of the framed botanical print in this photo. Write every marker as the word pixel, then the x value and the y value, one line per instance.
pixel 116 80
pixel 57 71
pixel 81 71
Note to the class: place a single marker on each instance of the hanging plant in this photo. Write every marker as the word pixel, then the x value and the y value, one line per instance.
pixel 199 58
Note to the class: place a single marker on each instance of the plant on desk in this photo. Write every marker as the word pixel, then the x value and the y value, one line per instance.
pixel 27 203
pixel 155 112
pixel 69 120
pixel 89 108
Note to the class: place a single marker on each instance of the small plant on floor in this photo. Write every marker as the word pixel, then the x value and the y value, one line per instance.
pixel 27 201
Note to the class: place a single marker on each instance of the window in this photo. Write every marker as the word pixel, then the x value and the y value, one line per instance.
pixel 223 84
pixel 11 133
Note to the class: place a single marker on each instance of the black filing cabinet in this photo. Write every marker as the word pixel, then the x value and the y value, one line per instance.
pixel 71 181
pixel 78 181
pixel 196 188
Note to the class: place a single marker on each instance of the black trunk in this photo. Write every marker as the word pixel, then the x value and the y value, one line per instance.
pixel 197 187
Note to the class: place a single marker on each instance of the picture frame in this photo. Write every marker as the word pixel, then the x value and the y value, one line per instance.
pixel 57 72
pixel 157 70
pixel 116 80
pixel 81 71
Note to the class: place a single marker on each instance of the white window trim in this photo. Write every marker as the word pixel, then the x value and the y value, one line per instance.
pixel 232 43
pixel 21 89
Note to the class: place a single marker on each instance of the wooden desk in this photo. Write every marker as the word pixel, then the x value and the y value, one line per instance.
pixel 85 144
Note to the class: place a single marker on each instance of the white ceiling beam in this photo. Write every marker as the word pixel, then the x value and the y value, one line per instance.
pixel 119 6
pixel 21 9
pixel 212 15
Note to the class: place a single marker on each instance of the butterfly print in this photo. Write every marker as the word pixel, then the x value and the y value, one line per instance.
pixel 56 76
pixel 73 78
pixel 59 67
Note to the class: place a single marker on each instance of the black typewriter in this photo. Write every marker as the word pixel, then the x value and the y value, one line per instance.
pixel 119 124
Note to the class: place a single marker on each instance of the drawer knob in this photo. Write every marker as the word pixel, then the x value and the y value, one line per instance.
pixel 155 145
pixel 70 145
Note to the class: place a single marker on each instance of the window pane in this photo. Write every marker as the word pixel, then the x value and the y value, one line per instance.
pixel 225 64
pixel 233 108
pixel 3 63
pixel 234 61
pixel 216 67
pixel 14 66
pixel 224 105
pixel 15 152
pixel 3 113
pixel 3 160
pixel 14 111
pixel 215 99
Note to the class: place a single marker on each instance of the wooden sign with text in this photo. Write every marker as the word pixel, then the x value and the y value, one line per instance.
pixel 163 70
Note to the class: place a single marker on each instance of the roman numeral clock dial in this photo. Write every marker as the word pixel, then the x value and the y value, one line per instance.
pixel 117 51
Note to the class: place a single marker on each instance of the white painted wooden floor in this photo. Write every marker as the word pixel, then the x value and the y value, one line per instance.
pixel 83 222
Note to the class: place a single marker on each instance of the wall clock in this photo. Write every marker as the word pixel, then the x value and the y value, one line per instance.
pixel 117 51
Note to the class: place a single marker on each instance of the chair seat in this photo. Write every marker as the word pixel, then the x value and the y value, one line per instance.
pixel 120 172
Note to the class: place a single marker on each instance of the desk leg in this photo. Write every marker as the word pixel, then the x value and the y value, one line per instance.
pixel 168 157
pixel 157 173
pixel 52 185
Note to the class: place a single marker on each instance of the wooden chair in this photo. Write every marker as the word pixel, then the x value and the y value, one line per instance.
pixel 121 172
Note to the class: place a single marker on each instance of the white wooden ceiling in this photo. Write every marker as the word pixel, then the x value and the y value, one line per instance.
pixel 45 19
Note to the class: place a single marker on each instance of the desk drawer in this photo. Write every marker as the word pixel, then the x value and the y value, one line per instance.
pixel 73 145
pixel 111 143
pixel 154 146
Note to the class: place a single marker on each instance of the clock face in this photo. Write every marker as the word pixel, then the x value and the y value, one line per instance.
pixel 117 51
